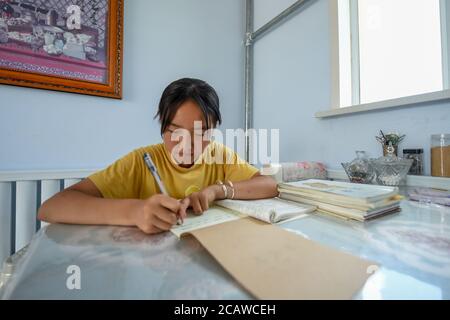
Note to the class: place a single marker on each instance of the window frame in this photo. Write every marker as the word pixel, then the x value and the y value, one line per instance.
pixel 445 31
pixel 357 107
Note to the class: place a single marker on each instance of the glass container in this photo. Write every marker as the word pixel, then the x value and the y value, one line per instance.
pixel 440 155
pixel 360 169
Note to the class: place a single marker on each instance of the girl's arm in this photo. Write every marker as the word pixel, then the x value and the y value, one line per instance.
pixel 258 187
pixel 83 203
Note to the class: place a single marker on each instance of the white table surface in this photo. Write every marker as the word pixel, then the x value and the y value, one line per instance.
pixel 413 248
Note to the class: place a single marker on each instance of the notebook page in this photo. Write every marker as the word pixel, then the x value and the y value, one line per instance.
pixel 212 216
pixel 268 210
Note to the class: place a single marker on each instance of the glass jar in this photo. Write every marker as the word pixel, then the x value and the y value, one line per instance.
pixel 417 156
pixel 360 170
pixel 391 170
pixel 440 155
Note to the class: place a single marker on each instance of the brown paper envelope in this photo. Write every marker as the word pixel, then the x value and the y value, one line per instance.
pixel 272 263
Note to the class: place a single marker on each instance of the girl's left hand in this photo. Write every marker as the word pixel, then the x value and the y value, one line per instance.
pixel 200 201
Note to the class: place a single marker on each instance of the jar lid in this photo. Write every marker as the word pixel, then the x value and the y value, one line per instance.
pixel 412 151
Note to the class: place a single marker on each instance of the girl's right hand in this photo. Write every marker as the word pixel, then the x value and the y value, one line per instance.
pixel 156 214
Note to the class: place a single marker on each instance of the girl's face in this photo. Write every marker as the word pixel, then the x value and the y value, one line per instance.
pixel 184 138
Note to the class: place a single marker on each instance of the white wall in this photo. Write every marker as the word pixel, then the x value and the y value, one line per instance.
pixel 292 83
pixel 164 41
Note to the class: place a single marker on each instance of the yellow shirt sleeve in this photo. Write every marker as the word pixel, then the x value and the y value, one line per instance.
pixel 122 179
pixel 236 169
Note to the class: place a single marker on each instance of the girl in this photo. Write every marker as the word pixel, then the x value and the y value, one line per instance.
pixel 126 193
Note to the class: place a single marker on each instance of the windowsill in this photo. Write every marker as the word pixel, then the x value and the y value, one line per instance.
pixel 387 104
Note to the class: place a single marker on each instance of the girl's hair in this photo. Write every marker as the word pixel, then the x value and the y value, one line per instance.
pixel 186 89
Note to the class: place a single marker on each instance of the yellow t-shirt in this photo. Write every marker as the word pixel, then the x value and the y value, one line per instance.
pixel 129 177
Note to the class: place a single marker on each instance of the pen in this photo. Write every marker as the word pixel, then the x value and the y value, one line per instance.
pixel 151 166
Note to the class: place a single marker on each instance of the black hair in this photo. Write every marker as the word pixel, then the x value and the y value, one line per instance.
pixel 186 89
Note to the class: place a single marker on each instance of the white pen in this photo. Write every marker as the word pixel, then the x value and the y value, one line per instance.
pixel 151 166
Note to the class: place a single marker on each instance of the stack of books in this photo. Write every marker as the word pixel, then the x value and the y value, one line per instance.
pixel 343 199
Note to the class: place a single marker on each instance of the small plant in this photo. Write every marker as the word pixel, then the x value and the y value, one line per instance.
pixel 386 139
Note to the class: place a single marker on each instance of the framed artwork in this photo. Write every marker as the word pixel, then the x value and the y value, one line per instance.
pixel 65 45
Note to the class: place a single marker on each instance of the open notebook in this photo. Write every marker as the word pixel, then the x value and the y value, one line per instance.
pixel 267 210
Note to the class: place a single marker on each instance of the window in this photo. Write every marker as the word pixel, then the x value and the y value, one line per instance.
pixel 390 49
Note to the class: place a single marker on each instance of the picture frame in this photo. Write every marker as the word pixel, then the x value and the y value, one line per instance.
pixel 64 45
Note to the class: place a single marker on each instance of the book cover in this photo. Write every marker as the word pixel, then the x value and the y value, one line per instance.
pixel 361 192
